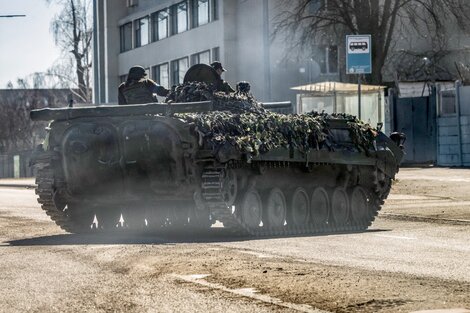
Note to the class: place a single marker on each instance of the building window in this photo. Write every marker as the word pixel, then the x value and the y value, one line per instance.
pixel 178 70
pixel 201 57
pixel 215 54
pixel 160 25
pixel 328 60
pixel 179 16
pixel 141 32
pixel 447 103
pixel 126 37
pixel 200 12
pixel 161 75
pixel 132 3
pixel 214 9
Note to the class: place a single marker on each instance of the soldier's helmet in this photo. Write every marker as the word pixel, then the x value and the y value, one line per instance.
pixel 218 66
pixel 136 72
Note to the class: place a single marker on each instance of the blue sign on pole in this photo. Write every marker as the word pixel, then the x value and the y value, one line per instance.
pixel 358 54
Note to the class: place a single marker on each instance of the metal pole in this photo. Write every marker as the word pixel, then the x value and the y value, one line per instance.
pixel 458 86
pixel 96 61
pixel 335 102
pixel 359 95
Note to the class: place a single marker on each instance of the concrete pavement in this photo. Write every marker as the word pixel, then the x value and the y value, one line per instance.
pixel 18 182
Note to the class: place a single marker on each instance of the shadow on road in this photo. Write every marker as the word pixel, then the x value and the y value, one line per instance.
pixel 165 238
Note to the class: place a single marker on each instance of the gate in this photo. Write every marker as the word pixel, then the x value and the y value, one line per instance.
pixel 416 117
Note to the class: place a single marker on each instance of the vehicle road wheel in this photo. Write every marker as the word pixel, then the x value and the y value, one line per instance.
pixel 200 219
pixel 108 218
pixel 320 206
pixel 230 187
pixel 134 219
pixel 275 208
pixel 251 208
pixel 81 218
pixel 359 205
pixel 156 217
pixel 299 207
pixel 179 216
pixel 340 206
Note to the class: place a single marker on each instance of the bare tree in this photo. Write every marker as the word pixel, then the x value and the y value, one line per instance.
pixel 57 76
pixel 17 131
pixel 72 30
pixel 309 22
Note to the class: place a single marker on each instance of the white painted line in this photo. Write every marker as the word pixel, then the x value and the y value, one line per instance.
pixel 198 276
pixel 396 237
pixel 248 292
pixel 258 254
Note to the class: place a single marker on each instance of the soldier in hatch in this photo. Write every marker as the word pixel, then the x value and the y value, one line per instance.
pixel 221 84
pixel 139 89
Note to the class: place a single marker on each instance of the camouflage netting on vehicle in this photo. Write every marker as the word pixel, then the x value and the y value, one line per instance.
pixel 198 91
pixel 239 120
pixel 256 133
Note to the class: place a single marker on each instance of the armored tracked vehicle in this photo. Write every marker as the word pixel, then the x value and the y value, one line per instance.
pixel 204 156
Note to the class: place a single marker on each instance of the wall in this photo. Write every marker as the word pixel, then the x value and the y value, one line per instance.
pixel 449 153
pixel 454 132
pixel 7 165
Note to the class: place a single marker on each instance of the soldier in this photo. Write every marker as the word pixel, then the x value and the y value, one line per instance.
pixel 221 84
pixel 139 89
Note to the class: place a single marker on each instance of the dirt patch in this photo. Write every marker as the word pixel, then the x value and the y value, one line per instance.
pixel 433 182
pixel 432 192
pixel 331 288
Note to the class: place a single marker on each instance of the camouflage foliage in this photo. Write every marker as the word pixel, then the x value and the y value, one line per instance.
pixel 237 102
pixel 239 120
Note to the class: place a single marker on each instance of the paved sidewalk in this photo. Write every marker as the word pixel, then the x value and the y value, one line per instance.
pixel 18 182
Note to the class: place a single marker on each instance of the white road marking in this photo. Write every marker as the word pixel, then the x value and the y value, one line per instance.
pixel 258 254
pixel 247 292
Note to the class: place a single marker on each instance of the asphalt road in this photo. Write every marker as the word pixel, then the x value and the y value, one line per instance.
pixel 407 261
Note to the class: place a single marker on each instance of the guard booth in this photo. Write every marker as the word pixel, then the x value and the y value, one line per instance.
pixel 335 97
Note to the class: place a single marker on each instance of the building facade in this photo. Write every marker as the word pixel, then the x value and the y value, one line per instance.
pixel 168 36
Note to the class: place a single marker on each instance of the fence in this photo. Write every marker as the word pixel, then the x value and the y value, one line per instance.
pixel 454 126
pixel 16 165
